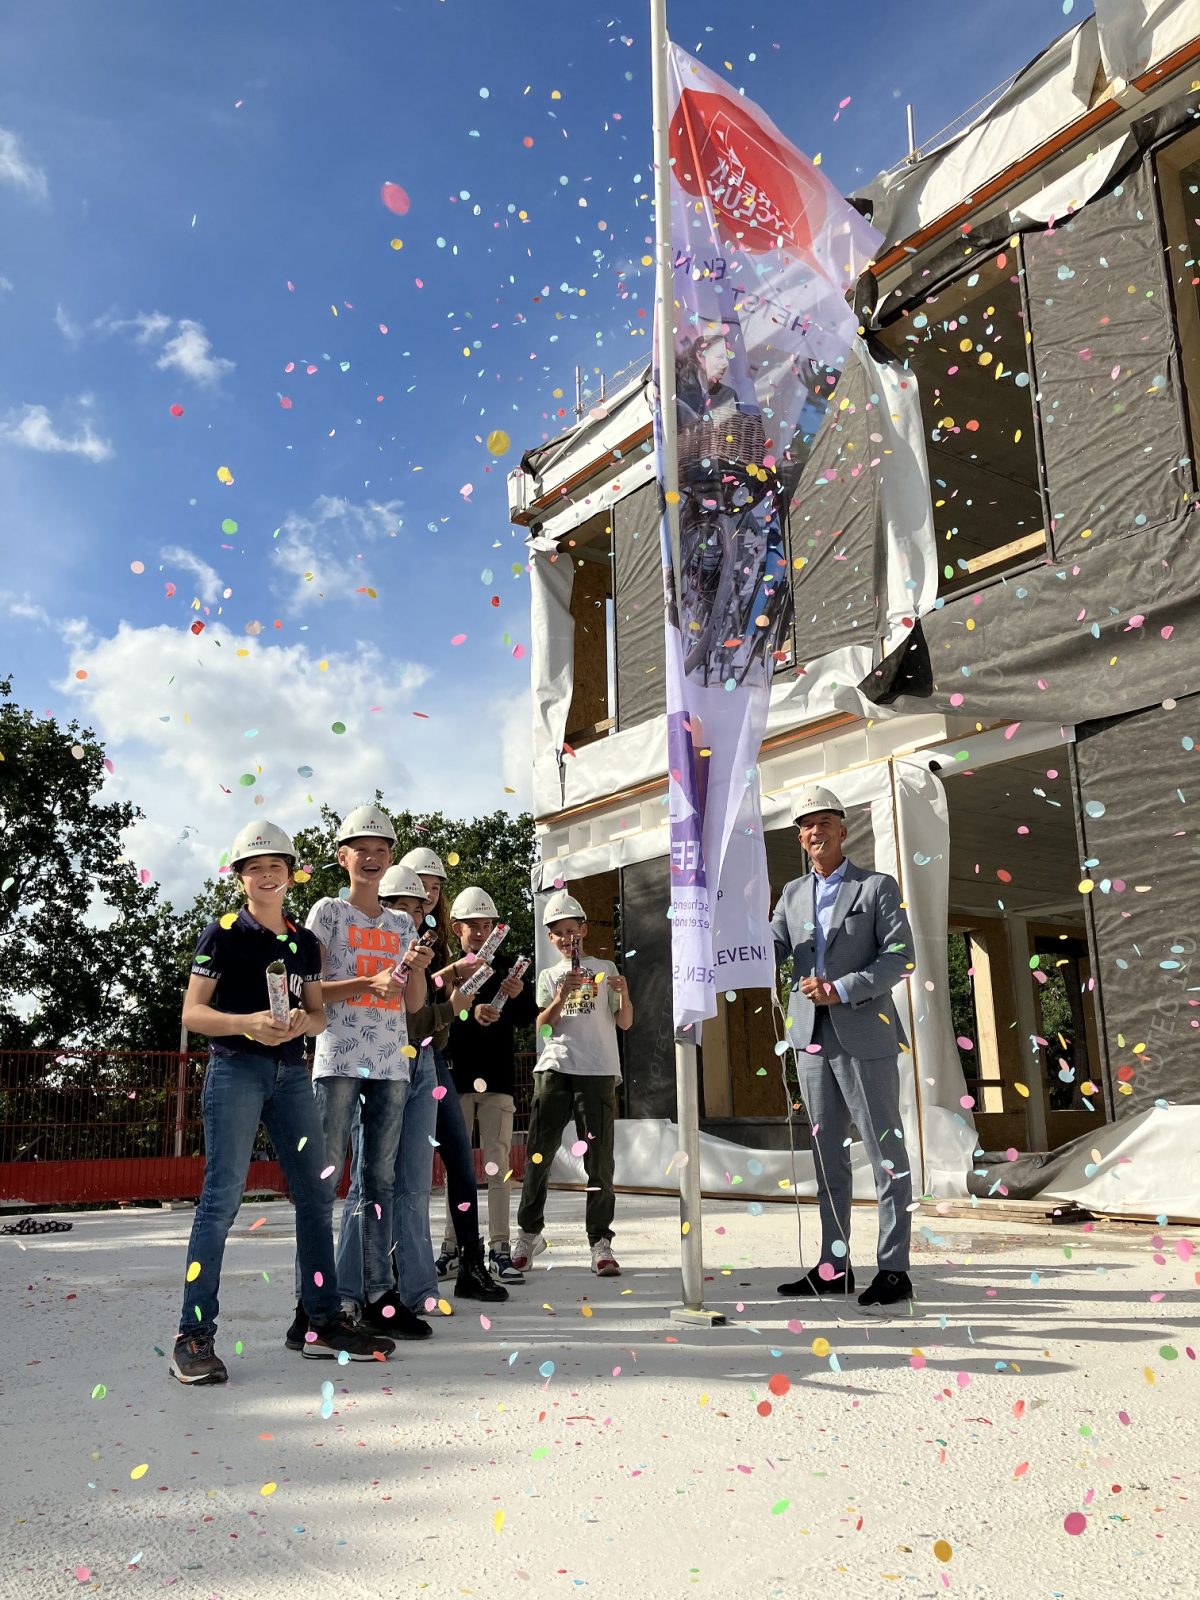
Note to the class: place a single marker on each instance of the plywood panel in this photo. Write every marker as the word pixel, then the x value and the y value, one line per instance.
pixel 751 1047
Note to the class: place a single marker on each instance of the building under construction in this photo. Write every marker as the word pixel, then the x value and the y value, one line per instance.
pixel 995 655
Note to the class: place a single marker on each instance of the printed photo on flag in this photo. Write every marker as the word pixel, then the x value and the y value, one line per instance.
pixel 763 252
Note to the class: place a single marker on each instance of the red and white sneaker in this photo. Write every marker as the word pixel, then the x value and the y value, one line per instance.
pixel 604 1263
pixel 527 1246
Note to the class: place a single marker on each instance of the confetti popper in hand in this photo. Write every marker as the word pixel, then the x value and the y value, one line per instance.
pixel 400 974
pixel 575 963
pixel 518 970
pixel 492 943
pixel 479 976
pixel 277 992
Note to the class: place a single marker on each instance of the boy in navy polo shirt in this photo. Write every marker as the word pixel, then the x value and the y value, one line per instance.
pixel 256 1074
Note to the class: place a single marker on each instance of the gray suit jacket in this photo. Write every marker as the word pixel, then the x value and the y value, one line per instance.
pixel 869 949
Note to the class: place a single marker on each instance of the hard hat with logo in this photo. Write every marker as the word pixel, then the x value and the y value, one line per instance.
pixel 261 839
pixel 401 882
pixel 473 902
pixel 366 822
pixel 422 860
pixel 814 798
pixel 560 906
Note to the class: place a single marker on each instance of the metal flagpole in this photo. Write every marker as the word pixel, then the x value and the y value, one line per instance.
pixel 687 1095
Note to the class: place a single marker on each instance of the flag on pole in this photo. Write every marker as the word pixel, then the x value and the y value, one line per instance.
pixel 763 252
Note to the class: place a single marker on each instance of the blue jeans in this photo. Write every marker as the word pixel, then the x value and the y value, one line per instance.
pixel 454 1147
pixel 240 1092
pixel 378 1103
pixel 416 1273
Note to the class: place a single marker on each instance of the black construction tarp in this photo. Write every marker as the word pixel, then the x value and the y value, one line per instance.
pixel 638 607
pixel 1109 623
pixel 834 527
pixel 1138 782
pixel 649 1053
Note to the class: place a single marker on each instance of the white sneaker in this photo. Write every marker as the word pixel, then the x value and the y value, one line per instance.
pixel 604 1263
pixel 527 1246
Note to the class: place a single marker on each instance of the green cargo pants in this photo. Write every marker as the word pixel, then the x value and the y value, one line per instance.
pixel 593 1100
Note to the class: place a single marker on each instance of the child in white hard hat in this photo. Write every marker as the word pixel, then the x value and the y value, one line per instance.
pixel 473 1280
pixel 583 1002
pixel 483 1065
pixel 373 976
pixel 256 1075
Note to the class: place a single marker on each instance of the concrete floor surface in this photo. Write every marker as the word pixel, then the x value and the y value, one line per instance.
pixel 581 1442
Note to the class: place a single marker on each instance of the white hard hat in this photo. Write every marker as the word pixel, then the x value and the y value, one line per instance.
pixel 261 839
pixel 422 860
pixel 562 905
pixel 401 881
pixel 814 798
pixel 473 902
pixel 366 822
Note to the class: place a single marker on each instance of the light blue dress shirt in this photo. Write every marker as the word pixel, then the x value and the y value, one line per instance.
pixel 825 892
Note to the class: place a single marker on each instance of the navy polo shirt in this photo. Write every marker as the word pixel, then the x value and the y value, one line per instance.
pixel 237 958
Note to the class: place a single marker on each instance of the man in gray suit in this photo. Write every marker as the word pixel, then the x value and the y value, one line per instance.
pixel 850 943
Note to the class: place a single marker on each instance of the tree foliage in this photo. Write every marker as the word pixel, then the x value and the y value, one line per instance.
pixel 88 954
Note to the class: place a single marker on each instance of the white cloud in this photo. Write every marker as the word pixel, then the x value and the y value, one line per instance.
pixel 191 353
pixel 6 284
pixel 174 711
pixel 17 169
pixel 209 586
pixel 31 427
pixel 322 553
pixel 187 350
pixel 22 609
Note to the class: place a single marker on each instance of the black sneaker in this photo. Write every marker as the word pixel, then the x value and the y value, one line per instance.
pixel 500 1264
pixel 359 1343
pixel 294 1337
pixel 887 1289
pixel 389 1315
pixel 193 1360
pixel 813 1286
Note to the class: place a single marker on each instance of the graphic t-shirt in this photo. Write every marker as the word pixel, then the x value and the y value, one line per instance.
pixel 237 958
pixel 367 1034
pixel 585 1036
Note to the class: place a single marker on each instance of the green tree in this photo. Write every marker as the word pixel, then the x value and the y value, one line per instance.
pixel 89 955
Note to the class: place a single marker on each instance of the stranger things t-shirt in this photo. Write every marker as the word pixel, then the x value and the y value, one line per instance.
pixel 585 1036
pixel 367 1034
pixel 237 958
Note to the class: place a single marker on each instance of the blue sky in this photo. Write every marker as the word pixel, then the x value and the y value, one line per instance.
pixel 190 202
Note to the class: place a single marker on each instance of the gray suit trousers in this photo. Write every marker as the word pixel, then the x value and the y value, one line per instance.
pixel 838 1088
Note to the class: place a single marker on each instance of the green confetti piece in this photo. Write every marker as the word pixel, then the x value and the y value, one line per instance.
pixel 1169 1353
pixel 99 1391
pixel 238 1347
pixel 780 1507
pixel 265 1278
pixel 541 1451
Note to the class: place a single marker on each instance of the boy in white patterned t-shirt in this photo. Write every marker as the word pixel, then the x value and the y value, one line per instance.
pixel 373 974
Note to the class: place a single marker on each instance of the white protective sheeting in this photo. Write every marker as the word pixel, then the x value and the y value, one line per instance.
pixel 923 871
pixel 906 508
pixel 621 761
pixel 1049 94
pixel 1135 34
pixel 1059 197
pixel 552 629
pixel 1149 1165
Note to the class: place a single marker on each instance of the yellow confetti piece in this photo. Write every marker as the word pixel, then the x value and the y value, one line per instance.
pixel 585 1311
pixel 686 1229
pixel 140 1472
pixel 445 1308
pixel 497 1520
pixel 224 475
pixel 1022 1089
pixel 672 497
pixel 498 442
pixel 820 1347
pixel 453 858
pixel 268 1488
pixel 1086 886
pixel 703 1399
pixel 228 920
pixel 1148 1374
pixel 409 1050
pixel 942 1549
pixel 193 1271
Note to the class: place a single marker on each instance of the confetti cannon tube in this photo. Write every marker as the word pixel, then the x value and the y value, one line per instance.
pixel 518 970
pixel 277 993
pixel 479 976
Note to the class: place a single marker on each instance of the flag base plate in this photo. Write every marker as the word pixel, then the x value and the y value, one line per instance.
pixel 697 1316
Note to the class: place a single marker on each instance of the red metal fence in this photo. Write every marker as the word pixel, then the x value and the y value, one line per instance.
pixel 87 1127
